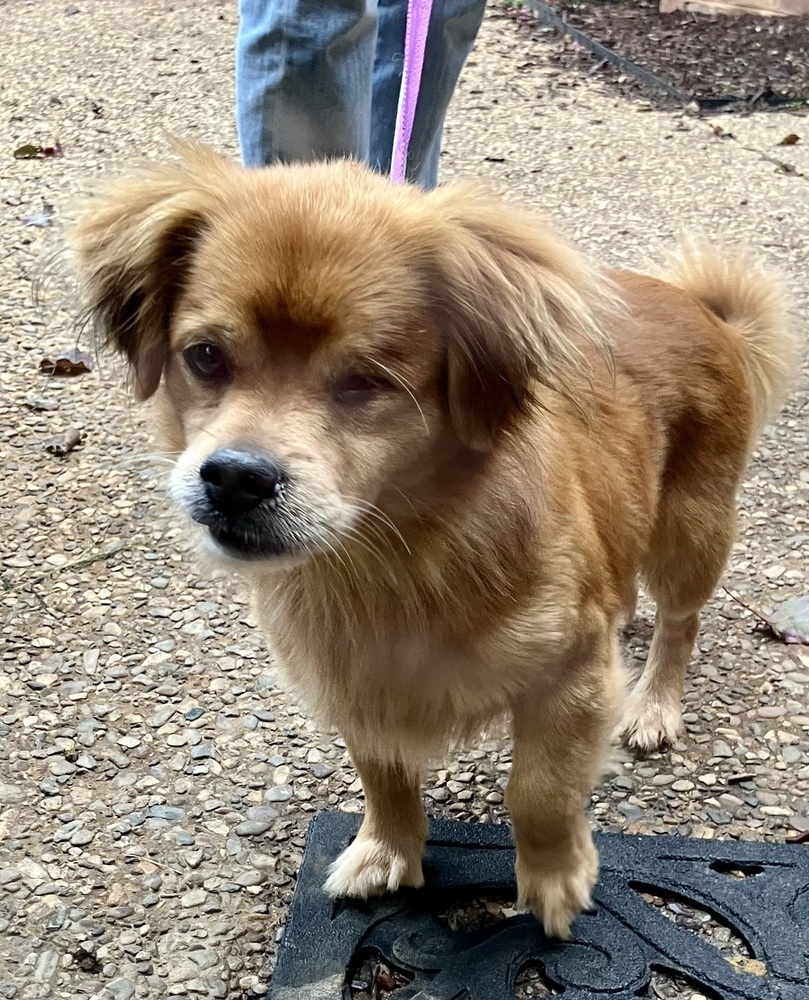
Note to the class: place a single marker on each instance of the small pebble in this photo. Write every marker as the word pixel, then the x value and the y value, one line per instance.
pixel 280 793
pixel 252 828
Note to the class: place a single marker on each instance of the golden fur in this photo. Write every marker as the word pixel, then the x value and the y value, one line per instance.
pixel 462 546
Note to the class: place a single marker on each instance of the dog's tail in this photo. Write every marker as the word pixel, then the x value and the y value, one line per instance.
pixel 755 300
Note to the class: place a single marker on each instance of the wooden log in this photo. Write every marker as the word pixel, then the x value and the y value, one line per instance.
pixel 764 8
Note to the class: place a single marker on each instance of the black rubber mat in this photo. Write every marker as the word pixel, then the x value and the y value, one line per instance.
pixel 758 894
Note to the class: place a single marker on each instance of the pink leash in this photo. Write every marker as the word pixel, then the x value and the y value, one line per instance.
pixel 418 23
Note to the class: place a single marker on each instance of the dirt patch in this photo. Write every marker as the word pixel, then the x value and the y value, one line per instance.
pixel 749 59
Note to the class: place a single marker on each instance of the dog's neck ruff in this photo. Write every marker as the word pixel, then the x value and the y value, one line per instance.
pixel 418 23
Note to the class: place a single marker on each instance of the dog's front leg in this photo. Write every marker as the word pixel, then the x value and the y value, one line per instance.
pixel 561 738
pixel 388 849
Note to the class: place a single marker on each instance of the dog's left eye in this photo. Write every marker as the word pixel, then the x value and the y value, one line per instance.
pixel 207 362
pixel 354 388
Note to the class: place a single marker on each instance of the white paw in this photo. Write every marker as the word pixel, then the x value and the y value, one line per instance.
pixel 649 724
pixel 559 886
pixel 370 867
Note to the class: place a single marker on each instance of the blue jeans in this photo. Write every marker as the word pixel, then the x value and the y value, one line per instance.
pixel 318 79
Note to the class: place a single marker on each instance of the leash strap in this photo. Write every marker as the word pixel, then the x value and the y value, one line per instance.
pixel 418 23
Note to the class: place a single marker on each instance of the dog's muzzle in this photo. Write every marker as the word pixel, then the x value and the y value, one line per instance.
pixel 241 492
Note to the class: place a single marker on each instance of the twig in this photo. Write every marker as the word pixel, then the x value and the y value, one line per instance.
pixel 84 560
pixel 157 864
pixel 747 607
pixel 782 165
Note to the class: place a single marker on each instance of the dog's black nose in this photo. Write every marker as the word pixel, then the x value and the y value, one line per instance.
pixel 237 480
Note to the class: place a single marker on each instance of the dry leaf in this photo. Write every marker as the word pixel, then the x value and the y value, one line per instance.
pixel 26 152
pixel 40 404
pixel 69 362
pixel 750 966
pixel 31 152
pixel 63 444
pixel 790 140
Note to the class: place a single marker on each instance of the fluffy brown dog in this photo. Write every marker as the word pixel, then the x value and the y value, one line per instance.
pixel 442 446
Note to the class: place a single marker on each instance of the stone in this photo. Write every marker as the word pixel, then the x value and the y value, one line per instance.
pixel 683 785
pixel 253 877
pixel 170 813
pixel 252 828
pixel 61 767
pixel 8 876
pixel 46 965
pixel 120 989
pixel 194 897
pixel 10 794
pixel 264 814
pixel 279 793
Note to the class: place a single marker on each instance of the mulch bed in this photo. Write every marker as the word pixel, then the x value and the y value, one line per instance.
pixel 750 59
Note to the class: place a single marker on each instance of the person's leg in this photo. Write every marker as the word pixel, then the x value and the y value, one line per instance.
pixel 454 26
pixel 304 79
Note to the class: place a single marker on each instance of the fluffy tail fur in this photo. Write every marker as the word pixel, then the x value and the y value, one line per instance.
pixel 755 300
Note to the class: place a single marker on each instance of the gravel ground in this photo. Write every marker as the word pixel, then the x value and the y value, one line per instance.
pixel 155 783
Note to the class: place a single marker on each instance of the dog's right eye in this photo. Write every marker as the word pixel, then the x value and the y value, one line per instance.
pixel 207 362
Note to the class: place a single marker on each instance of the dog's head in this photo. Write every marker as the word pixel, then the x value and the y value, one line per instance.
pixel 327 345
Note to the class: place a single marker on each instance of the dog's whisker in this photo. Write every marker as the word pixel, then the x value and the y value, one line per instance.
pixel 374 533
pixel 151 459
pixel 376 528
pixel 361 539
pixel 371 509
pixel 407 388
pixel 322 538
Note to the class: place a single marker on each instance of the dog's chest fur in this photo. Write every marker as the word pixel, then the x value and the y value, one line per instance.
pixel 403 676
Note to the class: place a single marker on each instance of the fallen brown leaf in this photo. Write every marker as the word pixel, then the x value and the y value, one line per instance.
pixel 790 140
pixel 67 363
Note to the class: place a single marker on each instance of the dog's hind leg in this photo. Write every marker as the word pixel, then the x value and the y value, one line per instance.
pixel 692 543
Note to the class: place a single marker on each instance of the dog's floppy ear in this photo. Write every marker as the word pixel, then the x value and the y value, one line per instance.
pixel 516 303
pixel 133 243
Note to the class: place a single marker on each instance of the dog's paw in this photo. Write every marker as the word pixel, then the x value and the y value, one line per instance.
pixel 370 867
pixel 650 724
pixel 559 888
